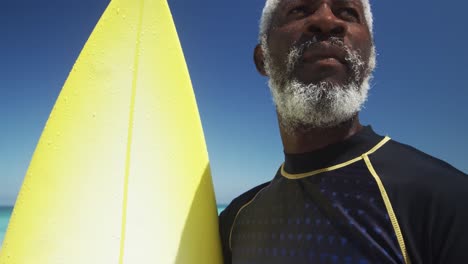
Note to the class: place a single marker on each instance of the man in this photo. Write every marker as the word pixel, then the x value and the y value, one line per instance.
pixel 344 194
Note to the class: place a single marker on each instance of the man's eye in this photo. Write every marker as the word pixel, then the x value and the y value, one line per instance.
pixel 297 11
pixel 348 14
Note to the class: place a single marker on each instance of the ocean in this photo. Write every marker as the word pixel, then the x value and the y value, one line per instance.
pixel 5 214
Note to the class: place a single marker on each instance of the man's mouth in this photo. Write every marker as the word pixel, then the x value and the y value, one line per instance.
pixel 324 53
pixel 315 62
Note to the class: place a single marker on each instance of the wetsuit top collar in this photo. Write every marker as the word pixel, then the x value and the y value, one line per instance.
pixel 334 154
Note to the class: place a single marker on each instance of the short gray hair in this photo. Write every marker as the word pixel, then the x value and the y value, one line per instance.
pixel 271 5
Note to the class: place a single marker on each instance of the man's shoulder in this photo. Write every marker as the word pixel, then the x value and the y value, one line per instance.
pixel 228 215
pixel 231 210
pixel 403 165
pixel 399 155
pixel 430 200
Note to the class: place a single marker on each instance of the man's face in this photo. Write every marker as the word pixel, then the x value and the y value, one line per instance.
pixel 314 23
pixel 319 56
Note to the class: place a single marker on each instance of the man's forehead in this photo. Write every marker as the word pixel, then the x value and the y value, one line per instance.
pixel 285 2
pixel 272 5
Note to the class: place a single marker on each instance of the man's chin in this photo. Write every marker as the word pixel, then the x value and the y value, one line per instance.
pixel 318 106
pixel 330 78
pixel 294 126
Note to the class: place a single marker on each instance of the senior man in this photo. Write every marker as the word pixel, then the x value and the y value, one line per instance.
pixel 343 194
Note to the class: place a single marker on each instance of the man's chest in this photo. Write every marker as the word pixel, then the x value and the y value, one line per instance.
pixel 335 217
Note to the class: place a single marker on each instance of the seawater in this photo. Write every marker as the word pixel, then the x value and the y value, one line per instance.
pixel 5 214
pixel 221 208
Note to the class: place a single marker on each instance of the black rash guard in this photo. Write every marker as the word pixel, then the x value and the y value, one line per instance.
pixel 367 199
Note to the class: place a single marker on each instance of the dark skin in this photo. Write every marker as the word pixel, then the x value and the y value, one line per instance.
pixel 297 21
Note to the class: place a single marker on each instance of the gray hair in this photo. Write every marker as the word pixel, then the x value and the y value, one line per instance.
pixel 271 5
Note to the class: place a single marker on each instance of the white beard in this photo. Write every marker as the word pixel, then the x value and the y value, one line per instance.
pixel 304 106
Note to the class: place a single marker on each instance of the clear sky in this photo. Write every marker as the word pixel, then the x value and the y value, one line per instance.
pixel 418 96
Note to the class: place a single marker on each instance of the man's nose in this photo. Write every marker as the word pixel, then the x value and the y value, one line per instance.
pixel 324 23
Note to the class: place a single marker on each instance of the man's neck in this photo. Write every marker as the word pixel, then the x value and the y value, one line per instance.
pixel 307 140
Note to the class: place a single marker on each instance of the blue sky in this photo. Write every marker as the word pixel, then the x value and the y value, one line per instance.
pixel 418 95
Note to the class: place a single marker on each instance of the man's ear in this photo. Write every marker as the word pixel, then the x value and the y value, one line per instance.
pixel 259 60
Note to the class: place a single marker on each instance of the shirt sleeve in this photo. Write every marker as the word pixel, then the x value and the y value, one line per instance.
pixel 225 221
pixel 228 216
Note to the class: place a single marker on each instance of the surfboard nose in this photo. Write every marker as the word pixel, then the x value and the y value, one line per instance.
pixel 121 172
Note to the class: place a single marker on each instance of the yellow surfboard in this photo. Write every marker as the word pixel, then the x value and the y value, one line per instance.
pixel 121 171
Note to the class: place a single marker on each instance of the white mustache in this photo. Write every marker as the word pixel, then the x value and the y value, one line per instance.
pixel 352 57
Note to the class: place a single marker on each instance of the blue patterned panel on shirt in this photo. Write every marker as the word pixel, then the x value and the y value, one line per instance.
pixel 333 217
